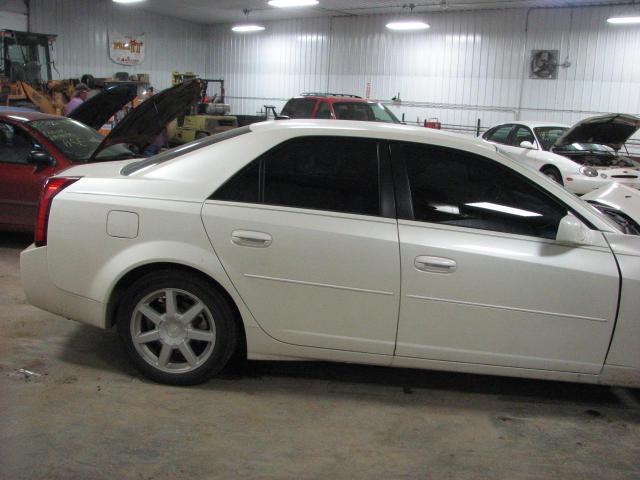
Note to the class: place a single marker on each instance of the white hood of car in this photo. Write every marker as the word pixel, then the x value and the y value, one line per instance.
pixel 618 196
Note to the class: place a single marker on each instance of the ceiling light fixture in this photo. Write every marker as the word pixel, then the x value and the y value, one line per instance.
pixel 292 3
pixel 247 27
pixel 127 1
pixel 623 20
pixel 408 25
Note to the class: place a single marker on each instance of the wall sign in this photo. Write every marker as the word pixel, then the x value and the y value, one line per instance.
pixel 126 49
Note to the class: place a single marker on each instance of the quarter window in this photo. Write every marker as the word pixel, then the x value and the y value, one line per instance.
pixel 321 173
pixel 452 187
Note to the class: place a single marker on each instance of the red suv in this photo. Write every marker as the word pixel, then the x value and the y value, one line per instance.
pixel 336 106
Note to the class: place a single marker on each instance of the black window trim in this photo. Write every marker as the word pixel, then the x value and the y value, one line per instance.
pixel 386 197
pixel 404 203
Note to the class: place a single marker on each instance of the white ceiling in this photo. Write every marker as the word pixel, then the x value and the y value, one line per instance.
pixel 229 11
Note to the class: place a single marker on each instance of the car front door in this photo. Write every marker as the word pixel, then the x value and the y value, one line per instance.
pixel 20 180
pixel 308 235
pixel 483 279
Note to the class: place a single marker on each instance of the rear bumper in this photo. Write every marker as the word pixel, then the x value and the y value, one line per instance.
pixel 42 293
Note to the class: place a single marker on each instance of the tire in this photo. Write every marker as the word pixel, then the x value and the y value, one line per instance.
pixel 155 334
pixel 553 174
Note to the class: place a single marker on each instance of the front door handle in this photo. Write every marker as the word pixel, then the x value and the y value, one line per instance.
pixel 435 264
pixel 247 238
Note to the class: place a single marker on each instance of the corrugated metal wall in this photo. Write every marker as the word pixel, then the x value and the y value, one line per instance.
pixel 469 65
pixel 83 26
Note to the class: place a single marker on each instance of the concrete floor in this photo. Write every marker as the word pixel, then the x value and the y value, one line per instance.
pixel 87 414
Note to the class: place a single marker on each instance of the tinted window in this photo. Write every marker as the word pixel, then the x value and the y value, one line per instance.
pixel 456 188
pixel 15 144
pixel 323 111
pixel 523 134
pixel 499 134
pixel 323 173
pixel 299 108
pixel 549 135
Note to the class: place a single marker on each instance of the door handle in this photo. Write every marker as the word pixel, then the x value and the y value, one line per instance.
pixel 246 238
pixel 435 264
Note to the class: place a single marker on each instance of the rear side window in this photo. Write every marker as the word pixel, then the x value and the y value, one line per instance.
pixel 321 173
pixel 452 187
pixel 299 108
pixel 499 134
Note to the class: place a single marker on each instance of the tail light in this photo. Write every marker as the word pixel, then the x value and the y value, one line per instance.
pixel 52 187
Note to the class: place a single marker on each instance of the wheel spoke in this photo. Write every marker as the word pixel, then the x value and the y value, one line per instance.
pixel 165 355
pixel 188 354
pixel 151 314
pixel 171 302
pixel 203 335
pixel 187 317
pixel 147 337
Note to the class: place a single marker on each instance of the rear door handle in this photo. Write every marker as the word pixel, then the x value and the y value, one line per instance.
pixel 435 264
pixel 247 238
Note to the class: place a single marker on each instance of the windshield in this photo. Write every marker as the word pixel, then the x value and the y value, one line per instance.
pixel 548 135
pixel 76 141
pixel 368 112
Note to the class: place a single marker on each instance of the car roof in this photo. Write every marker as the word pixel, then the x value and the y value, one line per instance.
pixel 333 98
pixel 380 130
pixel 24 115
pixel 533 124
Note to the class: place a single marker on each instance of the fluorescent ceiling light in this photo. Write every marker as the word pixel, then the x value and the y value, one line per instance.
pixel 247 28
pixel 127 1
pixel 292 3
pixel 408 25
pixel 623 20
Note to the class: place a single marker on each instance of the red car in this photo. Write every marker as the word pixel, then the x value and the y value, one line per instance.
pixel 337 106
pixel 34 145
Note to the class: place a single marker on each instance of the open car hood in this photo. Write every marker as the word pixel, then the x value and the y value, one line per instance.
pixel 612 130
pixel 145 122
pixel 97 110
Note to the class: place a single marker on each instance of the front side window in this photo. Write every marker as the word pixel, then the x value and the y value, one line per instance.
pixel 323 111
pixel 523 134
pixel 299 108
pixel 499 134
pixel 15 144
pixel 453 187
pixel 368 112
pixel 549 135
pixel 321 173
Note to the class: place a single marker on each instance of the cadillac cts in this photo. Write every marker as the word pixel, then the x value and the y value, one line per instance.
pixel 343 241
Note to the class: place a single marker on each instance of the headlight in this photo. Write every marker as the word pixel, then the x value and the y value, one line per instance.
pixel 589 171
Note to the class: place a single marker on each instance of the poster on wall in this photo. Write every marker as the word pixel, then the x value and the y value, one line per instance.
pixel 126 49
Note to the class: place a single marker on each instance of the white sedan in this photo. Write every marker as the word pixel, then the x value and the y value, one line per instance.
pixel 582 158
pixel 341 241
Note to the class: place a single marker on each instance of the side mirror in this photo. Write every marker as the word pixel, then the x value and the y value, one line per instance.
pixel 528 145
pixel 572 231
pixel 40 159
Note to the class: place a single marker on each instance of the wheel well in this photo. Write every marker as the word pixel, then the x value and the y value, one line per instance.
pixel 127 280
pixel 554 168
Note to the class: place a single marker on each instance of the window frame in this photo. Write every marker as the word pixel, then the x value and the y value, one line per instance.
pixel 386 196
pixel 404 201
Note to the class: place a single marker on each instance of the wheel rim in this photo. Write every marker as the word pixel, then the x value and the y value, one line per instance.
pixel 173 330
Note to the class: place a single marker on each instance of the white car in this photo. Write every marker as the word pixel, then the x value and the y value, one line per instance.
pixel 343 241
pixel 582 158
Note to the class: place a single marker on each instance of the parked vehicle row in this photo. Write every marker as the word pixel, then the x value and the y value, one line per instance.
pixel 369 243
pixel 35 146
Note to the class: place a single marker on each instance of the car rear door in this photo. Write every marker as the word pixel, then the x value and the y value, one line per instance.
pixel 307 234
pixel 483 279
pixel 20 181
